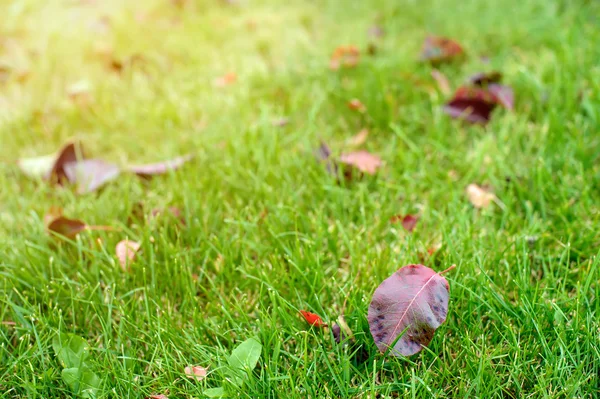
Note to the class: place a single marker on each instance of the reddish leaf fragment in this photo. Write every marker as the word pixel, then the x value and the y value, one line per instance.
pixel 485 78
pixel 126 251
pixel 160 167
pixel 409 222
pixel 344 56
pixel 407 308
pixel 196 372
pixel 158 396
pixel 362 160
pixel 356 105
pixel 313 319
pixel 66 227
pixel 442 81
pixel 472 104
pixel 437 50
pixel 226 80
pixel 504 95
pixel 90 174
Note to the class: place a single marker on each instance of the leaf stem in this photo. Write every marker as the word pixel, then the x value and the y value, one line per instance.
pixel 447 270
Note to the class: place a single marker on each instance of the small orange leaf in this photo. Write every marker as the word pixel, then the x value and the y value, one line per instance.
pixel 225 80
pixel 356 105
pixel 409 222
pixel 359 138
pixel 196 372
pixel 126 251
pixel 344 56
pixel 313 319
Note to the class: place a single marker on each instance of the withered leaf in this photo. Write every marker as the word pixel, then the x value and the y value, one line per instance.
pixel 344 56
pixel 90 174
pixel 472 104
pixel 160 168
pixel 66 227
pixel 196 372
pixel 359 139
pixel 356 105
pixel 437 50
pixel 126 251
pixel 479 196
pixel 51 167
pixel 362 160
pixel 313 319
pixel 407 308
pixel 409 222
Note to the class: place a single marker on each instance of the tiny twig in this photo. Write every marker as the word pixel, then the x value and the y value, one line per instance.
pixel 102 228
pixel 447 270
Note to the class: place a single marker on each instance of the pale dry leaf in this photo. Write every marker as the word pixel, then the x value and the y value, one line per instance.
pixel 363 161
pixel 196 372
pixel 478 196
pixel 359 138
pixel 126 251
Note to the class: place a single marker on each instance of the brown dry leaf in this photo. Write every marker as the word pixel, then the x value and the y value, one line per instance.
pixel 479 196
pixel 409 222
pixel 53 213
pixel 362 160
pixel 66 227
pixel 356 105
pixel 126 251
pixel 442 82
pixel 437 50
pixel 344 56
pixel 51 167
pixel 225 80
pixel 196 372
pixel 359 138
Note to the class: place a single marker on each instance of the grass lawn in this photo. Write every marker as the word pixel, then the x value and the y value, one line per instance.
pixel 268 231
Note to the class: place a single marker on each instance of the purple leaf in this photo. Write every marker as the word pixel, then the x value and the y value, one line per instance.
pixel 160 168
pixel 407 308
pixel 504 95
pixel 90 174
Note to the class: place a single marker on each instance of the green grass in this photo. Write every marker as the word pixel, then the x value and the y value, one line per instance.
pixel 268 232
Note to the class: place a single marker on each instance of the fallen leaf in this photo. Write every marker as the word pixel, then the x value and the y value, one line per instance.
pixel 359 138
pixel 362 160
pixel 437 50
pixel 225 80
pixel 313 319
pixel 160 167
pixel 472 104
pixel 504 95
pixel 90 174
pixel 407 308
pixel 126 251
pixel 66 227
pixel 51 167
pixel 196 372
pixel 485 78
pixel 53 213
pixel 79 92
pixel 344 56
pixel 409 222
pixel 442 81
pixel 158 396
pixel 356 105
pixel 478 196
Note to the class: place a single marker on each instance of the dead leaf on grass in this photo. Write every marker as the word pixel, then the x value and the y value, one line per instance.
pixel 409 222
pixel 479 196
pixel 313 319
pixel 90 174
pixel 126 251
pixel 160 168
pixel 437 50
pixel 359 139
pixel 356 105
pixel 196 372
pixel 66 227
pixel 79 93
pixel 362 160
pixel 51 167
pixel 344 56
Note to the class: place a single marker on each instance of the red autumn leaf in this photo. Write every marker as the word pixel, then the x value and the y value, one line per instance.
pixel 90 174
pixel 313 319
pixel 473 104
pixel 485 78
pixel 196 372
pixel 409 222
pixel 407 308
pixel 160 167
pixel 66 227
pixel 126 251
pixel 356 105
pixel 362 160
pixel 437 50
pixel 344 56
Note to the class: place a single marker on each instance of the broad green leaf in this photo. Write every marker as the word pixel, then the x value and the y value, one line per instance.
pixel 214 392
pixel 82 381
pixel 243 359
pixel 70 349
